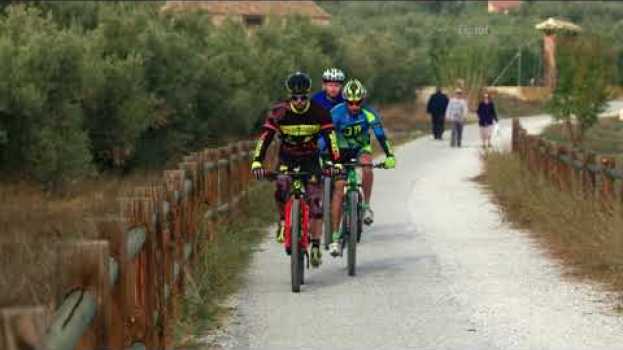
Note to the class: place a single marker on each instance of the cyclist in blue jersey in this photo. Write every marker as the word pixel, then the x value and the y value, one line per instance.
pixel 330 95
pixel 352 121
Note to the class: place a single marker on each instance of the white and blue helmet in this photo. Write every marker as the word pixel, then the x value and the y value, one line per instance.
pixel 333 74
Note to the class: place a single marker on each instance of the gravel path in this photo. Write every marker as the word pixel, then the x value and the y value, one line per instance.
pixel 439 269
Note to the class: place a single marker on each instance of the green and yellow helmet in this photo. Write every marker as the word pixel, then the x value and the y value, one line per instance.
pixel 354 91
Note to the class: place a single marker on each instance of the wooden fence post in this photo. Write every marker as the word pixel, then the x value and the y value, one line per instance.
pixel 231 176
pixel 548 161
pixel 211 178
pixel 114 230
pixel 192 175
pixel 607 183
pixel 240 167
pixel 222 179
pixel 234 180
pixel 552 159
pixel 564 168
pixel 589 178
pixel 575 171
pixel 140 274
pixel 542 156
pixel 174 182
pixel 515 135
pixel 206 160
pixel 167 251
pixel 145 216
pixel 529 155
pixel 22 328
pixel 527 146
pixel 84 266
pixel 246 170
pixel 169 311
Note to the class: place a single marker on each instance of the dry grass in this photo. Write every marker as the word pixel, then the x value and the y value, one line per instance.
pixel 581 233
pixel 223 261
pixel 32 222
pixel 405 116
pixel 404 122
pixel 509 106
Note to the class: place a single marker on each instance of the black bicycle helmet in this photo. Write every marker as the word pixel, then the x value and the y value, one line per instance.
pixel 298 83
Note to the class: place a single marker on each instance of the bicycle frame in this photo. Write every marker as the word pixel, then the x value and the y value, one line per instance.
pixel 353 184
pixel 297 191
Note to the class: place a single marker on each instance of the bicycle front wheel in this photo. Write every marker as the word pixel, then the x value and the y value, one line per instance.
pixel 296 254
pixel 326 212
pixel 353 223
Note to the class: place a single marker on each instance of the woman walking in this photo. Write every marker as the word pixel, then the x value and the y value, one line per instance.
pixel 456 113
pixel 486 119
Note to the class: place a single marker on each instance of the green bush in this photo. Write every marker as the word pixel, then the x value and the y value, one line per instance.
pixel 585 72
pixel 83 80
pixel 41 99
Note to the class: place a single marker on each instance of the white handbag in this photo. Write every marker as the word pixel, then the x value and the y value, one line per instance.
pixel 496 130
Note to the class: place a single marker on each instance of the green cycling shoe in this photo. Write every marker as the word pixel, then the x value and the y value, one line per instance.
pixel 279 235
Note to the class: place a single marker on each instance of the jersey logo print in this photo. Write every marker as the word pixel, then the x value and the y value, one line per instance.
pixel 300 130
pixel 353 130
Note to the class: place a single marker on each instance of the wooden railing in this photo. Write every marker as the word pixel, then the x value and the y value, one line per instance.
pixel 123 291
pixel 570 169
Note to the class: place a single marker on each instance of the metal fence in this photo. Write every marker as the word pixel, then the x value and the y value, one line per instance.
pixel 123 291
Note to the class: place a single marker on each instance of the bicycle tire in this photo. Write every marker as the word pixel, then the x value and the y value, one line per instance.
pixel 353 219
pixel 302 268
pixel 359 218
pixel 326 212
pixel 295 232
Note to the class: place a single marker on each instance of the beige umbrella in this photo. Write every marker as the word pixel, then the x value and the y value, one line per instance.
pixel 555 25
pixel 549 28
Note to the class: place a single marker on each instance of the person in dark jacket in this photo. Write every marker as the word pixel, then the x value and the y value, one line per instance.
pixel 487 117
pixel 436 107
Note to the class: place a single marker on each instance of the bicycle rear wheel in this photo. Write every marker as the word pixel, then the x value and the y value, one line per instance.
pixel 296 254
pixel 353 221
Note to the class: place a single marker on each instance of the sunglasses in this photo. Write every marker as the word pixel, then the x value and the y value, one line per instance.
pixel 354 103
pixel 299 98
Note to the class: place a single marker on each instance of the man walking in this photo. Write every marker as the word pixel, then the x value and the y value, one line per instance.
pixel 456 113
pixel 436 107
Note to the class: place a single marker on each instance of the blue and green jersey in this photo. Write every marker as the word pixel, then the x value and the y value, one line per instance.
pixel 353 131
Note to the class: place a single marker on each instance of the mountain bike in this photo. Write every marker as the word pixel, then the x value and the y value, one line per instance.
pixel 296 228
pixel 352 212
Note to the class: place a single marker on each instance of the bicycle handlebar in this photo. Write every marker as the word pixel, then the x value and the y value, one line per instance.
pixel 359 165
pixel 272 175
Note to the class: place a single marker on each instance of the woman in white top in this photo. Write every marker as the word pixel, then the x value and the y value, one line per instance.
pixel 456 113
